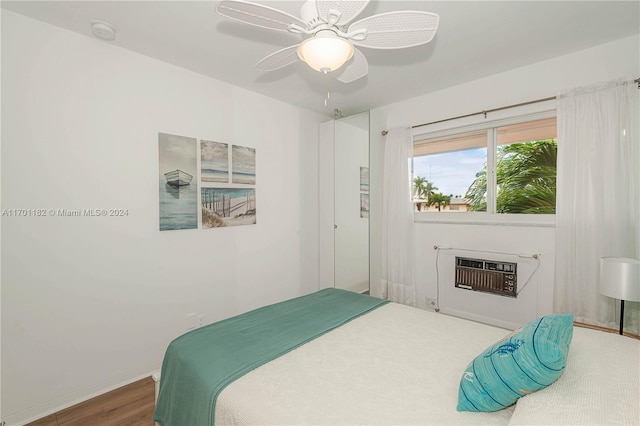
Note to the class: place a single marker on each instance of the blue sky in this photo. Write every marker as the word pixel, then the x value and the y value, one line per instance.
pixel 451 172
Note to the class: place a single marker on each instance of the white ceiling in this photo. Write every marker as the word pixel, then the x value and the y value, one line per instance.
pixel 474 39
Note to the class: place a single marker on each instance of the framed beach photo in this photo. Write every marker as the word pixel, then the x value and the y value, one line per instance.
pixel 364 204
pixel 177 159
pixel 243 163
pixel 214 162
pixel 223 207
pixel 364 179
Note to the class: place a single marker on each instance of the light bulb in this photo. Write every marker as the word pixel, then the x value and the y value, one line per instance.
pixel 325 52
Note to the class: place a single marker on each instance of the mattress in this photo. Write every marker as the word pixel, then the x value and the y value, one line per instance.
pixel 394 365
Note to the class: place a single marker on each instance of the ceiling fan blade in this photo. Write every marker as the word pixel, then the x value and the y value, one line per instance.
pixel 397 30
pixel 278 59
pixel 349 9
pixel 357 68
pixel 257 14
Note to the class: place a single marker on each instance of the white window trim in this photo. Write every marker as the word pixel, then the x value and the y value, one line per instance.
pixel 482 218
pixel 491 217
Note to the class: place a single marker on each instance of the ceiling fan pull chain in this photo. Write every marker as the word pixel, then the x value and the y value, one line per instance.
pixel 326 100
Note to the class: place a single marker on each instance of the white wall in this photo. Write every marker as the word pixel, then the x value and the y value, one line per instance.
pixel 618 59
pixel 90 303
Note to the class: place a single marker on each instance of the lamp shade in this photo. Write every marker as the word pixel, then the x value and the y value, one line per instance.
pixel 326 51
pixel 620 278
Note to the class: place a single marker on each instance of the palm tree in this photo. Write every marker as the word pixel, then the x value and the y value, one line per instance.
pixel 429 190
pixel 477 192
pixel 439 200
pixel 526 177
pixel 423 190
pixel 418 186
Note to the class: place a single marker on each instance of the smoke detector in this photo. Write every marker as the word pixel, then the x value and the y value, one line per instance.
pixel 103 30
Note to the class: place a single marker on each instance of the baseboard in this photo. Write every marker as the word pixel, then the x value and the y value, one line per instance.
pixel 606 329
pixel 39 411
pixel 156 378
pixel 480 318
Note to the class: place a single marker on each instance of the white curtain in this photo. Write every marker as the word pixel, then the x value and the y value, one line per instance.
pixel 597 205
pixel 397 219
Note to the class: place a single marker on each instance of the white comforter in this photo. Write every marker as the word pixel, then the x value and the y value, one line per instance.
pixel 401 365
pixel 395 365
pixel 600 385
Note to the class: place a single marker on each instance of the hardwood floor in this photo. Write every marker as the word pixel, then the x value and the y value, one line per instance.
pixel 608 330
pixel 130 405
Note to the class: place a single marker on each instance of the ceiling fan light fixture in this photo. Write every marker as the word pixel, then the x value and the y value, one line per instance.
pixel 325 52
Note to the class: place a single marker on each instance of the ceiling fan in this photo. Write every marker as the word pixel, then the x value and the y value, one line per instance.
pixel 332 39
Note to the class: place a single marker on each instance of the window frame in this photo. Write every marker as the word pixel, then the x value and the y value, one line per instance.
pixel 490 217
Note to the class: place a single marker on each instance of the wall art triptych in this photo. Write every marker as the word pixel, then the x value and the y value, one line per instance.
pixel 225 173
pixel 364 194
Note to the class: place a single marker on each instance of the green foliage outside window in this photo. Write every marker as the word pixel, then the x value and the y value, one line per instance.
pixel 526 178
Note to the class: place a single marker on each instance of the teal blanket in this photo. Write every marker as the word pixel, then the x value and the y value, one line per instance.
pixel 200 364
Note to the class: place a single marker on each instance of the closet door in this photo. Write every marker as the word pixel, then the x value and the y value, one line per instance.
pixel 351 203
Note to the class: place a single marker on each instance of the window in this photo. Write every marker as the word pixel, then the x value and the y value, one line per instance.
pixel 508 168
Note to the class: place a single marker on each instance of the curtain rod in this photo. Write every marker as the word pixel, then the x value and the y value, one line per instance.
pixel 485 112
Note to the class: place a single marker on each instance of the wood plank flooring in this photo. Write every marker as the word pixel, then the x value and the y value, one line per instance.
pixel 608 330
pixel 130 405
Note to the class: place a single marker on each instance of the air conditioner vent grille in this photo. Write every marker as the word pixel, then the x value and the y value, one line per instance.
pixel 487 276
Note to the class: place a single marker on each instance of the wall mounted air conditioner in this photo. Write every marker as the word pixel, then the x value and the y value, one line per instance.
pixel 489 276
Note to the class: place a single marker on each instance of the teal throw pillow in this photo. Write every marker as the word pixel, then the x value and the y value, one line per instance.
pixel 525 361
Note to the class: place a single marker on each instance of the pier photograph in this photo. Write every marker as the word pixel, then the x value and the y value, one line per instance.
pixel 228 207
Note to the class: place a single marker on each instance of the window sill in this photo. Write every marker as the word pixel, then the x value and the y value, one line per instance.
pixel 475 218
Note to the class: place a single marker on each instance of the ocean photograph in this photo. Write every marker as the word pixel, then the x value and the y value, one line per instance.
pixel 214 161
pixel 177 206
pixel 223 207
pixel 364 179
pixel 243 162
pixel 178 192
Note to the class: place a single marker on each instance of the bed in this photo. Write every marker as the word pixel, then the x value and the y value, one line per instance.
pixel 375 362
